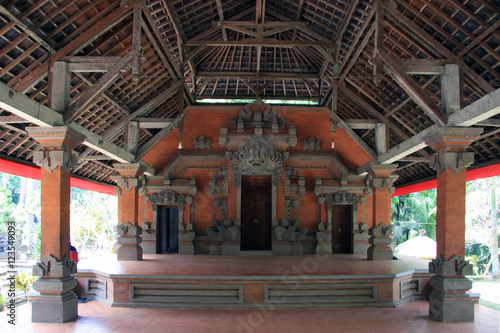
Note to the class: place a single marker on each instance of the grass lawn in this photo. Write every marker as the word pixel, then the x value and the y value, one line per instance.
pixel 489 290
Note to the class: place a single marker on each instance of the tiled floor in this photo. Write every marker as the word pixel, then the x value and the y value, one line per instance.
pixel 96 317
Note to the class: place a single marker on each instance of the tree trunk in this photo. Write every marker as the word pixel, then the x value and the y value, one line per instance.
pixel 494 237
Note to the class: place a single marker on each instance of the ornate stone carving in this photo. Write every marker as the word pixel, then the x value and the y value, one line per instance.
pixel 167 197
pixel 453 160
pixel 312 144
pixel 51 267
pixel 52 159
pixel 127 183
pixel 456 266
pixel 257 157
pixel 202 143
pixel 342 198
pixel 380 242
pixel 227 230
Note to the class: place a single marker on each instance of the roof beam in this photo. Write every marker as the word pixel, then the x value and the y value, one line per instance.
pixel 268 42
pixel 79 42
pixel 41 115
pixel 12 120
pixel 484 108
pixel 92 92
pixel 414 90
pixel 262 75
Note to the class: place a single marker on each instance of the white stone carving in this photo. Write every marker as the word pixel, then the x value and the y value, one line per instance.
pixel 257 157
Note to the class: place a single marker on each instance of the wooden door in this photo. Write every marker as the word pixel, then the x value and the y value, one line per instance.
pixel 168 230
pixel 342 229
pixel 256 205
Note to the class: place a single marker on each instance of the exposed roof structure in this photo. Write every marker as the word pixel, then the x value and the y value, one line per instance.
pixel 369 61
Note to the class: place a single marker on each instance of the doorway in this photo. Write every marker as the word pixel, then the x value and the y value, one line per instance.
pixel 342 236
pixel 168 230
pixel 256 206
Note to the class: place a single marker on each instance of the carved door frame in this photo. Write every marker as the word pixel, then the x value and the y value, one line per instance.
pixel 344 198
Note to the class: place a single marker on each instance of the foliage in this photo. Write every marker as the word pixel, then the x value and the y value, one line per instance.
pixel 412 213
pixel 1 300
pixel 93 218
pixel 478 237
pixel 24 282
pixel 7 208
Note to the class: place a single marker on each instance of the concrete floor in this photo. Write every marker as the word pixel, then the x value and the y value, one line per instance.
pixel 96 317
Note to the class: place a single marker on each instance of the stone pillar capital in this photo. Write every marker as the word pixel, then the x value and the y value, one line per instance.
pixel 382 176
pixel 129 176
pixel 456 161
pixel 452 139
pixel 57 145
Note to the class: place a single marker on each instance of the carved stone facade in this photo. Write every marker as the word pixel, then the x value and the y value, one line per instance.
pixel 257 157
pixel 260 140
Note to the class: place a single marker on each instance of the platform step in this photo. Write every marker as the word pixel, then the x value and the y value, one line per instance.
pixel 256 253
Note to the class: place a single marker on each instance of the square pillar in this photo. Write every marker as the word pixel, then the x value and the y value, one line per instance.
pixel 128 231
pixel 56 302
pixel 449 301
pixel 381 180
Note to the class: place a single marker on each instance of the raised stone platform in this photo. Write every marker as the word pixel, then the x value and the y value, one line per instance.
pixel 202 281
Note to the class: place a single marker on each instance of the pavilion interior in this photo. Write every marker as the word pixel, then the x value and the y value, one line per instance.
pixel 252 127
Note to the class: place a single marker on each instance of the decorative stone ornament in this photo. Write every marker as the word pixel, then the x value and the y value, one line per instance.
pixel 51 267
pixel 312 144
pixel 129 239
pixel 57 146
pixel 167 197
pixel 56 302
pixel 449 301
pixel 380 241
pixel 202 143
pixel 257 157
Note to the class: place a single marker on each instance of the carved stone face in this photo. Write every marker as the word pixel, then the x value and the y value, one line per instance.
pixel 255 160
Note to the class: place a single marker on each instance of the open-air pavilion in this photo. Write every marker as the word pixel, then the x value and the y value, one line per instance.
pixel 343 102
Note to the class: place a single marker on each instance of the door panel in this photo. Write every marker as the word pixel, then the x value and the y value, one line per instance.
pixel 341 229
pixel 167 238
pixel 256 205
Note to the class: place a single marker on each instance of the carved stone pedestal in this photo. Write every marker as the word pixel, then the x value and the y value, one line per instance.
pixel 186 245
pixel 296 248
pixel 380 241
pixel 215 247
pixel 130 241
pixel 148 239
pixel 281 248
pixel 449 301
pixel 324 245
pixel 361 243
pixel 56 303
pixel 230 248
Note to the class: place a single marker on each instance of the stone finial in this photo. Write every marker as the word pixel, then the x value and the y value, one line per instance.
pixel 455 266
pixel 51 267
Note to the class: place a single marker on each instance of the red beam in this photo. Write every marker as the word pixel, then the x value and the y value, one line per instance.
pixel 479 173
pixel 27 171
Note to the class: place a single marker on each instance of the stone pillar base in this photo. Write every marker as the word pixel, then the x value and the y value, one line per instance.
pixel 281 248
pixel 360 243
pixel 148 243
pixel 215 248
pixel 186 245
pixel 56 302
pixel 449 302
pixel 230 248
pixel 380 248
pixel 324 245
pixel 296 248
pixel 129 248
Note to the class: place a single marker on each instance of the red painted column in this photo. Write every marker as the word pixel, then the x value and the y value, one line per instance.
pixel 56 302
pixel 451 162
pixel 449 301
pixel 382 178
pixel 128 228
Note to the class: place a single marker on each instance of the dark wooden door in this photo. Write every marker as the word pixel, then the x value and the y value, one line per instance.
pixel 256 205
pixel 342 229
pixel 168 230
